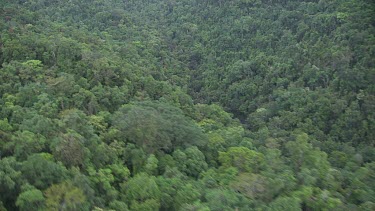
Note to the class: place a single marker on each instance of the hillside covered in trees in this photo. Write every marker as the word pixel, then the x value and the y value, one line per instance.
pixel 187 105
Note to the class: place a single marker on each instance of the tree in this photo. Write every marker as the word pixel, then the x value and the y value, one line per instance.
pixel 118 205
pixel 246 160
pixel 27 143
pixel 142 192
pixel 40 124
pixel 157 126
pixel 169 185
pixel 188 194
pixel 104 180
pixel 30 199
pixel 222 199
pixel 78 121
pixel 65 196
pixel 41 171
pixel 191 161
pixel 31 71
pixel 253 186
pixel 362 184
pixel 151 165
pixel 285 203
pixel 309 164
pixel 69 149
pixel 187 105
pixel 10 180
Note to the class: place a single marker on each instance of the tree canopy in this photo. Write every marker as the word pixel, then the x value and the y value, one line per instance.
pixel 187 105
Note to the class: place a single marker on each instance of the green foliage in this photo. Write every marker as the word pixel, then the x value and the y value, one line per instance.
pixel 168 185
pixel 151 166
pixel 253 186
pixel 104 180
pixel 187 105
pixel 69 149
pixel 244 159
pixel 65 196
pixel 191 161
pixel 118 205
pixel 185 196
pixel 10 176
pixel 41 171
pixel 309 163
pixel 219 199
pixel 26 143
pixel 5 126
pixel 285 203
pixel 157 126
pixel 142 192
pixel 30 199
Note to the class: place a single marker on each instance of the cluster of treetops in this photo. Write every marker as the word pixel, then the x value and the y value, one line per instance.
pixel 264 105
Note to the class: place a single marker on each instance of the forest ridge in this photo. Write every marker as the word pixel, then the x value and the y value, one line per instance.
pixel 187 105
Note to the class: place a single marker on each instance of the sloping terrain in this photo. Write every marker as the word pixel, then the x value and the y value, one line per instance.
pixel 187 105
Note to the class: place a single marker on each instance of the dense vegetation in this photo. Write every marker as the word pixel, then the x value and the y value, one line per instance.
pixel 187 105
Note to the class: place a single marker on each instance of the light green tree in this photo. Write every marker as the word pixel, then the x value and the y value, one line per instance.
pixel 30 199
pixel 65 196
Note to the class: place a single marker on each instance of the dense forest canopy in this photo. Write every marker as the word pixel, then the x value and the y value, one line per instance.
pixel 187 105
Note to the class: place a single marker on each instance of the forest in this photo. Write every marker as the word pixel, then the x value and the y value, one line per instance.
pixel 189 105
